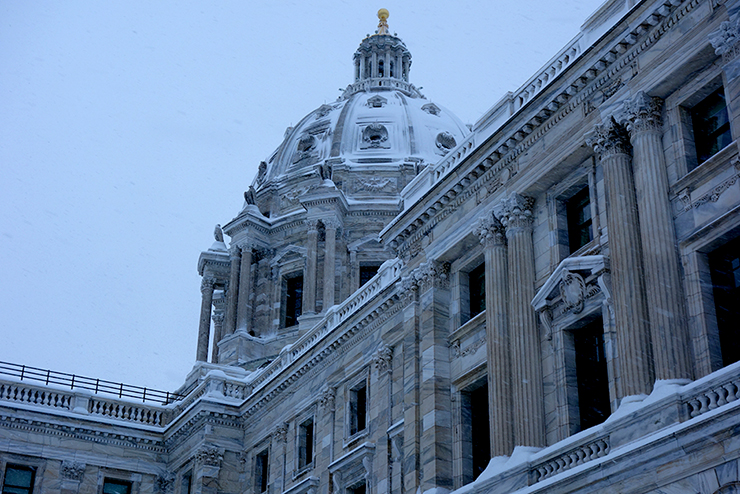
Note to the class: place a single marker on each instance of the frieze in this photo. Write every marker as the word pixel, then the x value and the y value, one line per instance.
pixel 374 185
pixel 712 196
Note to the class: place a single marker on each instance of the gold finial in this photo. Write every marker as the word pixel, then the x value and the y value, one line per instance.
pixel 383 15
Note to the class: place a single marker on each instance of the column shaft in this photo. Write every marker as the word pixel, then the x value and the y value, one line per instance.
pixel 244 305
pixel 233 293
pixel 309 290
pixel 329 268
pixel 204 330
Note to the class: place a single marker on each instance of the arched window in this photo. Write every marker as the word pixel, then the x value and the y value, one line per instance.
pixel 392 67
pixel 381 69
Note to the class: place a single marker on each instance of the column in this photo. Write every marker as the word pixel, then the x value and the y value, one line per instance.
pixel 206 290
pixel 411 461
pixel 726 43
pixel 233 293
pixel 515 213
pixel 492 236
pixel 244 305
pixel 309 281
pixel 218 328
pixel 331 227
pixel 354 271
pixel 630 311
pixel 665 300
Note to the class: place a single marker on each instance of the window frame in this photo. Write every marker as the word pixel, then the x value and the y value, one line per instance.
pixel 360 380
pixel 117 481
pixel 19 467
pixel 261 470
pixel 285 319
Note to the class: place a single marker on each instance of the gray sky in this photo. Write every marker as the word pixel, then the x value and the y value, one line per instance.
pixel 129 129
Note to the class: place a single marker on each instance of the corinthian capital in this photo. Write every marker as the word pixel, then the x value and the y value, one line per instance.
pixel 206 284
pixel 726 40
pixel 312 225
pixel 490 231
pixel 609 139
pixel 515 211
pixel 644 113
pixel 331 223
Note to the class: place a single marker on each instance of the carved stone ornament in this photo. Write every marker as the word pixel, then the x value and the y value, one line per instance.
pixel 306 144
pixel 72 470
pixel 331 223
pixel 210 456
pixel 374 184
pixel 430 274
pixel 515 211
pixel 281 433
pixel 325 171
pixel 165 482
pixel 383 358
pixel 490 231
pixel 726 40
pixel 377 101
pixel 573 291
pixel 431 109
pixel 609 139
pixel 323 111
pixel 644 113
pixel 445 141
pixel 312 225
pixel 375 135
pixel 261 172
pixel 250 196
pixel 291 197
pixel 206 284
pixel 328 398
pixel 218 233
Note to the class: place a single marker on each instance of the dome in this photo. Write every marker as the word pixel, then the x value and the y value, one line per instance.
pixel 379 123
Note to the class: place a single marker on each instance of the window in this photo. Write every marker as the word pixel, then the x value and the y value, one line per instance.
pixel 591 375
pixel 186 483
pixel 475 426
pixel 357 488
pixel 293 300
pixel 711 125
pixel 477 286
pixel 261 472
pixel 381 71
pixel 18 479
pixel 367 272
pixel 305 443
pixel 578 211
pixel 724 264
pixel 358 408
pixel 113 486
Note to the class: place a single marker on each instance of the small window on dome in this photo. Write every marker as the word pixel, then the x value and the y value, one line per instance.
pixel 381 69
pixel 391 68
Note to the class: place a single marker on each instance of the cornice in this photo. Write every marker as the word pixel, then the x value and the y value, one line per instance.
pixel 507 146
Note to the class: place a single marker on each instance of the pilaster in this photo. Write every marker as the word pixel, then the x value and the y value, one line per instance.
pixel 232 294
pixel 206 290
pixel 244 304
pixel 501 430
pixel 331 226
pixel 515 214
pixel 309 290
pixel 611 142
pixel 665 300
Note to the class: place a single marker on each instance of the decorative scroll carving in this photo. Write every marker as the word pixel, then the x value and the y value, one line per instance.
pixel 374 184
pixel 328 398
pixel 375 135
pixel 430 274
pixel 515 211
pixel 573 291
pixel 210 456
pixel 383 358
pixel 726 40
pixel 609 139
pixel 458 351
pixel 281 433
pixel 72 470
pixel 445 141
pixel 644 113
pixel 207 284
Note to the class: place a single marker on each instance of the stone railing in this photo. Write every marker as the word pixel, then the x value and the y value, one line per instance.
pixel 384 82
pixel 128 412
pixel 579 455
pixel 388 274
pixel 22 393
pixel 715 391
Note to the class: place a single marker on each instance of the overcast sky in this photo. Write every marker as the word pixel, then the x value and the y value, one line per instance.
pixel 129 129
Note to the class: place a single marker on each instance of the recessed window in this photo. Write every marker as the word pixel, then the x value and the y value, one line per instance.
pixel 591 375
pixel 18 479
pixel 293 300
pixel 261 472
pixel 186 484
pixel 476 434
pixel 477 286
pixel 711 125
pixel 113 486
pixel 357 489
pixel 367 272
pixel 578 210
pixel 358 408
pixel 305 443
pixel 724 264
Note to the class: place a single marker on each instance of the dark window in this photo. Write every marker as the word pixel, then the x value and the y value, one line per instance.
pixel 578 209
pixel 261 474
pixel 357 489
pixel 18 480
pixel 111 486
pixel 186 484
pixel 358 408
pixel 724 264
pixel 305 443
pixel 711 125
pixel 476 440
pixel 591 374
pixel 293 300
pixel 381 71
pixel 477 285
pixel 367 272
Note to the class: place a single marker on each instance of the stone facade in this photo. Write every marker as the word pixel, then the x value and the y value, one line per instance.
pixel 542 304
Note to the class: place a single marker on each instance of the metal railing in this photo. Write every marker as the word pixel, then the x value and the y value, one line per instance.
pixel 26 373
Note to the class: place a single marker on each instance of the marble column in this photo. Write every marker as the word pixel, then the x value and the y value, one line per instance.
pixel 411 461
pixel 218 328
pixel 515 213
pixel 233 293
pixel 493 237
pixel 244 305
pixel 665 300
pixel 354 271
pixel 611 143
pixel 726 43
pixel 331 227
pixel 309 281
pixel 204 330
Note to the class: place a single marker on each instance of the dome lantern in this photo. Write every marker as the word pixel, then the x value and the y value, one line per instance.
pixel 382 55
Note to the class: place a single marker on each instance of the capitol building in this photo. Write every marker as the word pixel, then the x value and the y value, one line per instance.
pixel 547 301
